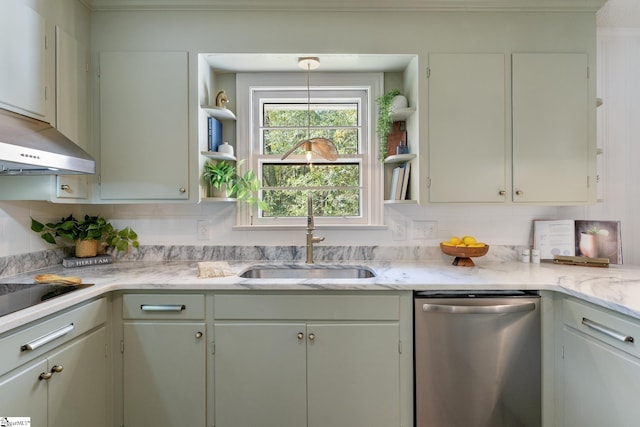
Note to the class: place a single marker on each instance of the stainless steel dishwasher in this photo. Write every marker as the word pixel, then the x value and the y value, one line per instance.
pixel 477 359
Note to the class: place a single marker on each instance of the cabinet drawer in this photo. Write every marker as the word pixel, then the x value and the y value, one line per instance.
pixel 163 306
pixel 27 344
pixel 614 329
pixel 307 307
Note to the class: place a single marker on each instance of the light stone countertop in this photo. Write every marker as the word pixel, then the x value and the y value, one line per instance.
pixel 616 287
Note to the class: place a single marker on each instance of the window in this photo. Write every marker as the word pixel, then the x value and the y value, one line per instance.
pixel 274 115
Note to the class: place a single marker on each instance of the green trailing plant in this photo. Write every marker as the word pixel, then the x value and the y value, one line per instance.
pixel 384 119
pixel 223 175
pixel 90 228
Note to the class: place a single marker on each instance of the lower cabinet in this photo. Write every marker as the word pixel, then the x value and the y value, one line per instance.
pixel 64 382
pixel 600 367
pixel 292 360
pixel 164 360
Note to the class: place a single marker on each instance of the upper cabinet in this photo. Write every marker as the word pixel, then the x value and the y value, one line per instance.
pixel 23 59
pixel 467 134
pixel 471 158
pixel 144 128
pixel 550 128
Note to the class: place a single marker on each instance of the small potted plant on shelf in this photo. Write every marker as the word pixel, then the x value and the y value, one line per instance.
pixel 224 181
pixel 385 104
pixel 87 234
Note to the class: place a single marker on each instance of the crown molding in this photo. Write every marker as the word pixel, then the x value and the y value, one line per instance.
pixel 350 5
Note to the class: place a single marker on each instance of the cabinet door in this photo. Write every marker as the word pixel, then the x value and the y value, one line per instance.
pixel 78 394
pixel 260 375
pixel 600 384
pixel 23 394
pixel 353 375
pixel 467 128
pixel 23 58
pixel 144 132
pixel 71 107
pixel 164 374
pixel 550 128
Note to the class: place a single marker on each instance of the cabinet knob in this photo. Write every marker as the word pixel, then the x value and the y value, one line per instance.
pixel 65 187
pixel 519 193
pixel 57 368
pixel 502 192
pixel 312 337
pixel 45 376
pixel 183 190
pixel 198 335
pixel 300 336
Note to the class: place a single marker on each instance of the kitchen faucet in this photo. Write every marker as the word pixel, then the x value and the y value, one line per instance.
pixel 311 239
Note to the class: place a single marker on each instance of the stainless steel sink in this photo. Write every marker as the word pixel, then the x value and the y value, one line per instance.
pixel 299 271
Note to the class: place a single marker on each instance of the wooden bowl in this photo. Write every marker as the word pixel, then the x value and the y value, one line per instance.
pixel 463 255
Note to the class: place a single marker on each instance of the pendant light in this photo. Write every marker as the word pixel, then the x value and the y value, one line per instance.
pixel 321 147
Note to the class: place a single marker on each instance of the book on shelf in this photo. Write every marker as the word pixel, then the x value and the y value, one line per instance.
pixel 400 182
pixel 405 181
pixel 394 183
pixel 84 262
pixel 214 133
pixel 578 238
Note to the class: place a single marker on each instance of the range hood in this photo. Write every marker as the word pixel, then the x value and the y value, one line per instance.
pixel 33 147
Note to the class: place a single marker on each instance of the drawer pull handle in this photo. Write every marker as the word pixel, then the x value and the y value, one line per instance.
pixel 165 307
pixel 46 339
pixel 607 331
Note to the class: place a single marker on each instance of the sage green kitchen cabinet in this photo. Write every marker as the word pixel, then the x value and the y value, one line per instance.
pixel 551 143
pixel 164 360
pixel 600 367
pixel 62 382
pixel 467 134
pixel 144 129
pixel 72 104
pixel 546 159
pixel 23 75
pixel 292 360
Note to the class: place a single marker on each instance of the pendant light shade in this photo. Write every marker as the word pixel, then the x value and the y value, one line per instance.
pixel 321 147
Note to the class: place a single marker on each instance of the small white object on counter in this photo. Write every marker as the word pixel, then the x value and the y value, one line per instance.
pixel 535 256
pixel 525 255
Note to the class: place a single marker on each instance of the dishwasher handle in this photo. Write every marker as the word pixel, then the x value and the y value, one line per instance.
pixel 480 309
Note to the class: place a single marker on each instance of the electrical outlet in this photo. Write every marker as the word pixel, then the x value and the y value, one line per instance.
pixel 423 230
pixel 204 230
pixel 398 229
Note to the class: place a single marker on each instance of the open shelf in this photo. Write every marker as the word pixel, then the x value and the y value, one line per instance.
pixel 399 158
pixel 220 113
pixel 218 156
pixel 402 114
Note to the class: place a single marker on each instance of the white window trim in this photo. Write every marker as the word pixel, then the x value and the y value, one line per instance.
pixel 372 169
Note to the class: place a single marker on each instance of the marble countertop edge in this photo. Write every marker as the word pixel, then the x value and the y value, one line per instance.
pixel 616 287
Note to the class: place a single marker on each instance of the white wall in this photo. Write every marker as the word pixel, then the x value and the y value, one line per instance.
pixel 290 32
pixel 619 136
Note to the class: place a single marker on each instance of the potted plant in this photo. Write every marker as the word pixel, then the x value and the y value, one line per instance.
pixel 385 103
pixel 220 176
pixel 87 234
pixel 224 181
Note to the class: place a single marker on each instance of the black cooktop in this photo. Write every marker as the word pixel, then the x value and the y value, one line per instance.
pixel 16 296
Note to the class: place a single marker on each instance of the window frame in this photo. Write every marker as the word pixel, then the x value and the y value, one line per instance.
pixel 248 145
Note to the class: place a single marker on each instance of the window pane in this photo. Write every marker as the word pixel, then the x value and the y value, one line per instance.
pixel 281 140
pixel 326 203
pixel 288 115
pixel 319 175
